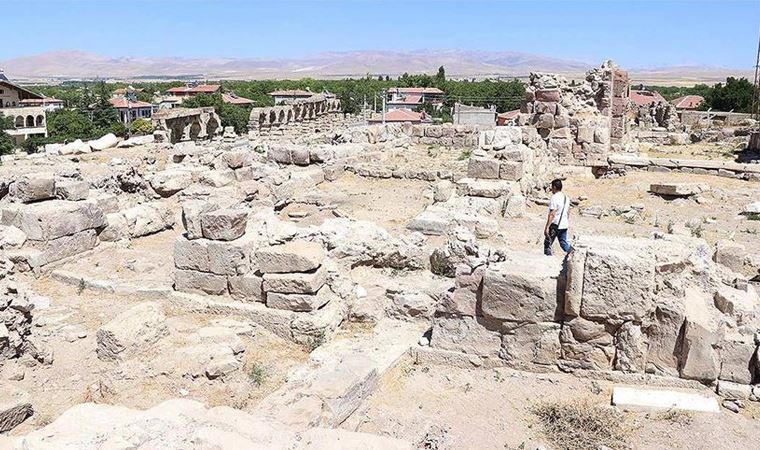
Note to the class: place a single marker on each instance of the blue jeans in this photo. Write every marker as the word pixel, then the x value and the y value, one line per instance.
pixel 561 237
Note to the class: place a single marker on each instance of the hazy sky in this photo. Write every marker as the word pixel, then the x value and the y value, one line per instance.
pixel 633 33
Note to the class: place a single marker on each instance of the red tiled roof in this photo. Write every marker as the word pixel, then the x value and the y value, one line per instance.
pixel 235 100
pixel 199 89
pixel 291 93
pixel 509 114
pixel 688 102
pixel 646 98
pixel 121 102
pixel 399 115
pixel 417 91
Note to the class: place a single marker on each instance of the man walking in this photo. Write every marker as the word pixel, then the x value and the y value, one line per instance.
pixel 556 222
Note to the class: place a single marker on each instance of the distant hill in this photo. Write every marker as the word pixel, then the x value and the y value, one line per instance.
pixel 68 64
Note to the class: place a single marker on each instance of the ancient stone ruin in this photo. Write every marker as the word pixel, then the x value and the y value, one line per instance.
pixel 316 286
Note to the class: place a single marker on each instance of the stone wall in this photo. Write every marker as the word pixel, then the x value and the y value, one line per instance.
pixel 754 141
pixel 580 123
pixel 444 135
pixel 183 124
pixel 292 112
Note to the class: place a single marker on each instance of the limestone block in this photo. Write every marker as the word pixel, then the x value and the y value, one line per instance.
pixel 631 348
pixel 15 407
pixel 618 283
pixel 487 168
pixel 131 332
pixel 443 190
pixel 148 218
pixel 105 142
pixel 736 362
pixel 247 287
pixel 223 224
pixel 585 135
pixel 216 178
pixel 516 206
pixel 727 389
pixel 535 343
pixel 484 188
pixel 545 108
pixel 54 219
pixel 544 121
pixel 678 189
pixel 548 95
pixel 298 302
pixel 72 190
pixel 295 283
pixel 663 334
pixel 561 146
pixel 575 265
pixel 633 398
pixel 168 182
pixel 698 359
pixel 586 345
pixel 63 247
pixel 731 255
pixel 561 133
pixel 511 170
pixel 11 237
pixel 191 215
pixel 199 282
pixel 465 335
pixel 33 187
pixel 524 291
pixel 294 256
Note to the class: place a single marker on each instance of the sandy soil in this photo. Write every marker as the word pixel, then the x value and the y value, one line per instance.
pixel 450 408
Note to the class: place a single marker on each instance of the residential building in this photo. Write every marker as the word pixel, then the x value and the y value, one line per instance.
pixel 291 94
pixel 507 118
pixel 410 98
pixel 47 103
pixel 130 110
pixel 399 116
pixel 687 102
pixel 645 97
pixel 26 108
pixel 234 99
pixel 191 90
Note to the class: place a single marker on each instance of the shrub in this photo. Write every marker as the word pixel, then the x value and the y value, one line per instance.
pixel 580 425
pixel 142 127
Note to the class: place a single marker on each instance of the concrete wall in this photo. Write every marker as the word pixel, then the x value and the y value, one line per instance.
pixel 473 115
pixel 706 118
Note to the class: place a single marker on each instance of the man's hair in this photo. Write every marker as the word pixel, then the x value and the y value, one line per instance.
pixel 557 184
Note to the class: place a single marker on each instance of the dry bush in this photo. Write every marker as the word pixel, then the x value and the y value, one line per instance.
pixel 675 417
pixel 580 425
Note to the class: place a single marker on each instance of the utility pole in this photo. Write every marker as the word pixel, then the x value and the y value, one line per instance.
pixel 756 91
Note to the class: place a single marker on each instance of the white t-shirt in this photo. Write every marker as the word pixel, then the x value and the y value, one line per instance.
pixel 560 202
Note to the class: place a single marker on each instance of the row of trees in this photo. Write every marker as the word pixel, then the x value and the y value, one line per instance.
pixel 733 95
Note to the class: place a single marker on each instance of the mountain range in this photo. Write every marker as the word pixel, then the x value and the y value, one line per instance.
pixel 77 64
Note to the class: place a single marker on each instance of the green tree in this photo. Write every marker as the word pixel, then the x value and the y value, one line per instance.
pixel 735 94
pixel 105 118
pixel 68 125
pixel 440 77
pixel 142 127
pixel 7 143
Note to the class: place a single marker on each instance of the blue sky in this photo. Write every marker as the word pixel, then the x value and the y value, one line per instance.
pixel 636 34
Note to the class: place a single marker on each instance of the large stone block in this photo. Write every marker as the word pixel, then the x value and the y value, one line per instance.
pixel 168 182
pixel 33 187
pixel 663 335
pixel 465 335
pixel 54 219
pixel 72 190
pixel 575 267
pixel 483 167
pixel 511 170
pixel 548 95
pixel 736 359
pixel 586 345
pixel 532 343
pixel 618 283
pixel 131 332
pixel 224 224
pixel 295 283
pixel 294 256
pixel 63 247
pixel 630 348
pixel 678 189
pixel 699 359
pixel 191 216
pixel 299 302
pixel 521 291
pixel 15 407
pixel 248 287
pixel 199 282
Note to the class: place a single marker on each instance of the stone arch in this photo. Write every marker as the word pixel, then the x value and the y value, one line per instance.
pixel 262 119
pixel 272 117
pixel 19 121
pixel 40 121
pixel 290 115
pixel 29 121
pixel 281 116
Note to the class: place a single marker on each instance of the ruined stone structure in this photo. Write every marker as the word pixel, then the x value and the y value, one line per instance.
pixel 754 141
pixel 183 124
pixel 581 124
pixel 291 112
pixel 659 115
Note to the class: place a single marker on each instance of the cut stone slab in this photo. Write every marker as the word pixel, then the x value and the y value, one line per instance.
pixel 224 224
pixel 298 302
pixel 678 189
pixel 15 407
pixel 54 219
pixel 634 398
pixel 131 332
pixel 294 256
pixel 30 188
pixel 295 283
pixel 72 190
pixel 752 208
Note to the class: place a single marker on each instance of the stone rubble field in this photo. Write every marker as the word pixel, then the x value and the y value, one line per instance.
pixel 378 287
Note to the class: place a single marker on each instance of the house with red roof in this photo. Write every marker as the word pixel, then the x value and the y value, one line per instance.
pixel 687 102
pixel 645 97
pixel 191 90
pixel 131 110
pixel 234 99
pixel 280 96
pixel 399 116
pixel 410 98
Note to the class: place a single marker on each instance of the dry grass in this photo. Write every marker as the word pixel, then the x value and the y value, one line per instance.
pixel 675 417
pixel 580 425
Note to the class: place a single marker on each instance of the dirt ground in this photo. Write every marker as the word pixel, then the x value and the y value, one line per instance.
pixel 69 328
pixel 450 408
